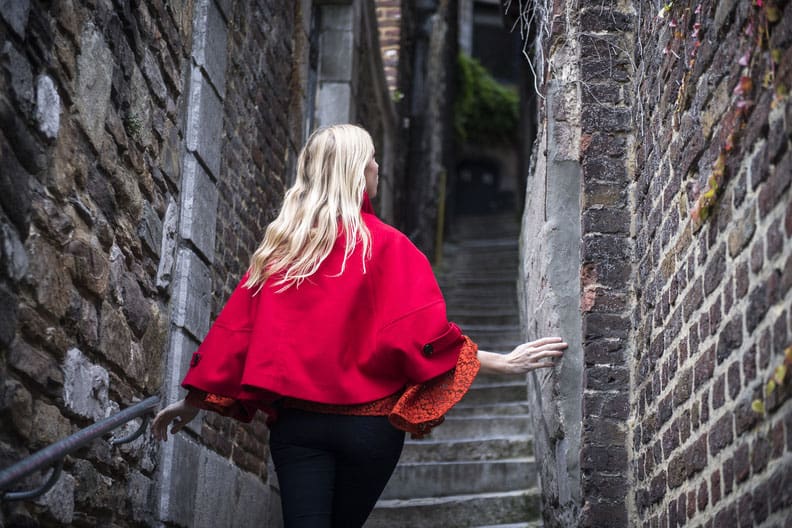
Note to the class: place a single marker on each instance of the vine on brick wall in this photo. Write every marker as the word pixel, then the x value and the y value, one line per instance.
pixel 759 65
pixel 776 381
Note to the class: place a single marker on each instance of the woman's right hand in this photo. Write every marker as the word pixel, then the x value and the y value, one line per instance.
pixel 526 357
pixel 181 413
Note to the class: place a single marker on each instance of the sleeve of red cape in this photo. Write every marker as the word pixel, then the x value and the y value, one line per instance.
pixel 214 377
pixel 415 330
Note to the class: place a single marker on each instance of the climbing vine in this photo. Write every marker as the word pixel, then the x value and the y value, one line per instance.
pixel 758 69
pixel 778 379
pixel 485 111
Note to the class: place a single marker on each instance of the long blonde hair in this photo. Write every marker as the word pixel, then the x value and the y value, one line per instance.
pixel 328 189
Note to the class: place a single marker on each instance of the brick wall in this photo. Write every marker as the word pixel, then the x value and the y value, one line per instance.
pixel 713 292
pixel 606 269
pixel 261 137
pixel 389 24
pixel 89 107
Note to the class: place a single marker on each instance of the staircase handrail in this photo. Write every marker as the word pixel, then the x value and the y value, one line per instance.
pixel 55 453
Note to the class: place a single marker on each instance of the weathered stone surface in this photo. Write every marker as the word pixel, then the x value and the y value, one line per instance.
pixel 47 106
pixel 60 499
pixel 15 195
pixel 153 345
pixel 115 337
pixel 13 257
pixel 15 12
pixel 85 386
pixel 49 425
pixel 8 316
pixel 36 364
pixel 91 266
pixel 333 103
pixel 191 300
pixel 21 77
pixel 204 122
pixel 170 226
pixel 94 76
pixel 139 490
pixel 150 229
pixel 209 42
pixel 198 208
pixel 17 401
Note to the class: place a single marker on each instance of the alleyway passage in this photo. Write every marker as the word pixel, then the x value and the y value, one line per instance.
pixel 477 469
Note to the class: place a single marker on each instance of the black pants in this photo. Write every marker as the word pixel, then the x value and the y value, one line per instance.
pixel 332 468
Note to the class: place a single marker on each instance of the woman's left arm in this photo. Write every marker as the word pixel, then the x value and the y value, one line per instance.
pixel 524 358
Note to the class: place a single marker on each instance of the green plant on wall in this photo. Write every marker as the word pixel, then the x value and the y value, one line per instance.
pixel 485 111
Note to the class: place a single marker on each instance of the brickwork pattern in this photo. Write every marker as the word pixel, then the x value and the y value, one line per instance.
pixel 261 140
pixel 89 99
pixel 713 313
pixel 389 23
pixel 606 268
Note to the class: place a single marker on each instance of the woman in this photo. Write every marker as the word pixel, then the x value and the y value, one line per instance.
pixel 338 331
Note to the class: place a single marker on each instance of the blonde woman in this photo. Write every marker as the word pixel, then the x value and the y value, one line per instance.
pixel 338 332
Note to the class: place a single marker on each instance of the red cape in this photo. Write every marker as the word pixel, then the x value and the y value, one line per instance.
pixel 337 339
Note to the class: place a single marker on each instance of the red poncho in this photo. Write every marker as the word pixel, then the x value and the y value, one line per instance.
pixel 336 339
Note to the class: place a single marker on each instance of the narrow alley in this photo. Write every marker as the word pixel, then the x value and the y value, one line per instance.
pixel 477 469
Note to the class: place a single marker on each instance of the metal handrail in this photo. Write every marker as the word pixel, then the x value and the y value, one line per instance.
pixel 55 453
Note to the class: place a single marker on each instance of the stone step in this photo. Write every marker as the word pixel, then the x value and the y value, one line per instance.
pixel 501 408
pixel 457 511
pixel 535 524
pixel 481 427
pixel 484 378
pixel 426 450
pixel 494 393
pixel 470 318
pixel 441 479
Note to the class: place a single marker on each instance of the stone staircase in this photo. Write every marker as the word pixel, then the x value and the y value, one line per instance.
pixel 477 469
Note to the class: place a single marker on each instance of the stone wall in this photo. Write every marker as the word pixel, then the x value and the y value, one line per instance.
pixel 90 99
pixel 145 147
pixel 711 111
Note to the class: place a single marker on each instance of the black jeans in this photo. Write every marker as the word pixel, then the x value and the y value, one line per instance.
pixel 332 468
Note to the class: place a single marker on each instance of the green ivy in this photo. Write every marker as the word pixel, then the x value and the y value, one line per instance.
pixel 485 111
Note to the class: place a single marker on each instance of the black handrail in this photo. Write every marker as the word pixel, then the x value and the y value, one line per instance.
pixel 55 453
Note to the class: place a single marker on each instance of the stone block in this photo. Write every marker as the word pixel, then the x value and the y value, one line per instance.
pixel 85 386
pixel 91 266
pixel 115 337
pixel 49 425
pixel 15 194
pixel 166 267
pixel 178 478
pixel 36 364
pixel 150 229
pixel 182 346
pixel 338 17
pixel 210 42
pixel 198 208
pixel 151 69
pixel 335 60
pixel 192 298
pixel 47 106
pixel 8 316
pixel 94 78
pixel 19 70
pixel 18 402
pixel 60 499
pixel 15 13
pixel 204 122
pixel 138 492
pixel 334 104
